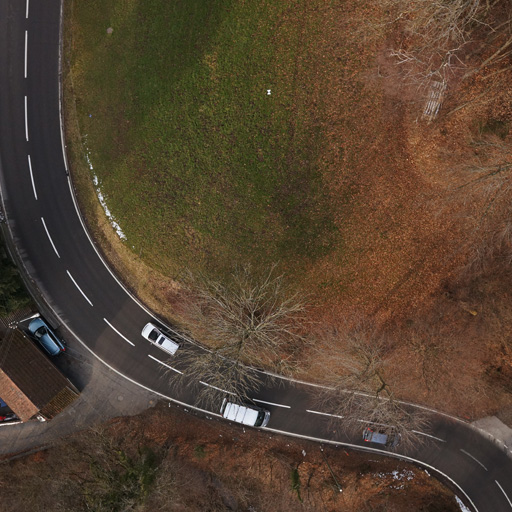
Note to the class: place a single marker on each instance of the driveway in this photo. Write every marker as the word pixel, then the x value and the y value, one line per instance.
pixel 104 395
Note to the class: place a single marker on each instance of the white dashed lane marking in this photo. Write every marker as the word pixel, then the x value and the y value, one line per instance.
pixel 474 458
pixel 26 51
pixel 429 435
pixel 32 177
pixel 503 491
pixel 324 414
pixel 115 330
pixel 215 387
pixel 165 364
pixel 79 289
pixel 272 403
pixel 49 237
pixel 26 120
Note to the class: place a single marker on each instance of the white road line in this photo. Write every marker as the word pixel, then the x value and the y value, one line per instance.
pixel 62 141
pixel 368 422
pixel 26 12
pixel 26 50
pixel 164 364
pixel 502 490
pixel 79 289
pixel 26 120
pixel 63 150
pixel 271 403
pixel 215 387
pixel 324 414
pixel 61 122
pixel 428 435
pixel 32 178
pixel 475 459
pixel 49 237
pixel 114 329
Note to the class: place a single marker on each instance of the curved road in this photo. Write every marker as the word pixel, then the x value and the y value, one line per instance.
pixel 56 253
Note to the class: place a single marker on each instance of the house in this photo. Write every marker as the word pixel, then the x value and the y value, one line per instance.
pixel 30 384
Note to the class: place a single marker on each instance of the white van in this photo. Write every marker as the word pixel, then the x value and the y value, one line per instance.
pixel 253 415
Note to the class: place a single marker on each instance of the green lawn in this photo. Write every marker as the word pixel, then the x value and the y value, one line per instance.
pixel 201 167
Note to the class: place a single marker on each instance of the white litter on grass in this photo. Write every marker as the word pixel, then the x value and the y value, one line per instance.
pixel 461 505
pixel 408 475
pixel 101 198
pixel 399 476
pixel 269 92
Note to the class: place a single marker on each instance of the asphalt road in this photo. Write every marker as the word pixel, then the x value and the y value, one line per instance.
pixel 61 261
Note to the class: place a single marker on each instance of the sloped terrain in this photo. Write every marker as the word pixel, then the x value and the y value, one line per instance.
pixel 165 459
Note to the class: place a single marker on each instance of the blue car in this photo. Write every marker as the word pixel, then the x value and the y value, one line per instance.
pixel 45 335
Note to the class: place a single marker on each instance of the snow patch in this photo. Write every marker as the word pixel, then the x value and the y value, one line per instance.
pixel 461 505
pixel 101 197
pixel 400 476
pixel 408 475
pixel 88 158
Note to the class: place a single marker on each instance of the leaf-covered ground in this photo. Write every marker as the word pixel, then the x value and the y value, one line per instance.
pixel 167 460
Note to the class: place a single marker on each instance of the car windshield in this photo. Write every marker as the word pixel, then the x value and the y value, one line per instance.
pixel 259 419
pixel 40 332
pixel 153 335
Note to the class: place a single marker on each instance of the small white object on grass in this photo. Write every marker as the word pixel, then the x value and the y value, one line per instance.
pixel 269 92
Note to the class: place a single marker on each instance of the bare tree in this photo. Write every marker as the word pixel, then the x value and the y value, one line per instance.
pixel 484 187
pixel 219 370
pixel 437 33
pixel 490 168
pixel 247 322
pixel 358 392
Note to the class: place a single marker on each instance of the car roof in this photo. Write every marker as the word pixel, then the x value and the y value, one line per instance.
pixel 50 345
pixel 168 344
pixel 379 437
pixel 240 414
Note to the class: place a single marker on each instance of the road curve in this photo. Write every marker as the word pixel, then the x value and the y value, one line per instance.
pixel 57 255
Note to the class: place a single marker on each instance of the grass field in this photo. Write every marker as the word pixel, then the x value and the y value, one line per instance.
pixel 199 121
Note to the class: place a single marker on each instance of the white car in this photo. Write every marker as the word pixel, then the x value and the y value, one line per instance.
pixel 155 336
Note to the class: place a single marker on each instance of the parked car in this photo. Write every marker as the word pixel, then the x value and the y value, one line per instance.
pixel 46 336
pixel 155 336
pixel 381 435
pixel 251 415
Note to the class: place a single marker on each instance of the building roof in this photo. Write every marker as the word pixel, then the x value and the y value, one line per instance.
pixel 29 382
